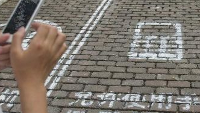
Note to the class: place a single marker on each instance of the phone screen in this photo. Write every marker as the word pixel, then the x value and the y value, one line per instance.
pixel 21 16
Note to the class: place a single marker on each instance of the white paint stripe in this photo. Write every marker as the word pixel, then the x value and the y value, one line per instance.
pixel 3 96
pixel 2 25
pixel 61 73
pixel 8 98
pixel 83 30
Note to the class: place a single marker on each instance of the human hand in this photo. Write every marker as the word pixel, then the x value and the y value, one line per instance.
pixel 32 66
pixel 4 51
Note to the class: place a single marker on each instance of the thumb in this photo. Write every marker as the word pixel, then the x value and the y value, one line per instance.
pixel 18 38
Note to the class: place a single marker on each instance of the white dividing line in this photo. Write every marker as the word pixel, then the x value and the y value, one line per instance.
pixel 61 73
pixel 95 17
pixel 83 30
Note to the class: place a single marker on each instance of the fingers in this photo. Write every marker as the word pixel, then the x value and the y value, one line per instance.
pixel 53 33
pixel 4 38
pixel 4 64
pixel 4 57
pixel 61 51
pixel 17 39
pixel 36 25
pixel 59 42
pixel 5 49
pixel 42 32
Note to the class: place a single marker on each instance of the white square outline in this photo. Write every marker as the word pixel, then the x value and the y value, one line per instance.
pixel 179 42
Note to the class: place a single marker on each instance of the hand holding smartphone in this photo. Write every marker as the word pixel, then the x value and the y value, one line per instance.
pixel 22 16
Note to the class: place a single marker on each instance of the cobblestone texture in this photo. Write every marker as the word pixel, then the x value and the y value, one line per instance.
pixel 102 78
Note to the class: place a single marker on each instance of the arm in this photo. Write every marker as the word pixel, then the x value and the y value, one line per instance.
pixel 32 66
pixel 33 99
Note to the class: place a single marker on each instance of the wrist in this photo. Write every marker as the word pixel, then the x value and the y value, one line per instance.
pixel 33 99
pixel 31 87
pixel 29 82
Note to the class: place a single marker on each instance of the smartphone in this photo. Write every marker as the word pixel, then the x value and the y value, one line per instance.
pixel 22 16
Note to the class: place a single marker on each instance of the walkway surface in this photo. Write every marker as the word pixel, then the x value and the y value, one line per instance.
pixel 124 56
pixel 3 1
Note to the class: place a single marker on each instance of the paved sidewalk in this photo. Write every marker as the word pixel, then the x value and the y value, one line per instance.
pixel 3 1
pixel 124 56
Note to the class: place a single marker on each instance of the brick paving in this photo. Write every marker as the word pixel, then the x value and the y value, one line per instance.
pixel 132 56
pixel 3 1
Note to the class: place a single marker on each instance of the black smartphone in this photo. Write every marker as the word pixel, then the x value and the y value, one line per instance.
pixel 22 16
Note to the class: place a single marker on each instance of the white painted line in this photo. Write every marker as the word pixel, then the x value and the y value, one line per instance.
pixel 2 25
pixel 61 73
pixel 103 6
pixel 77 38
